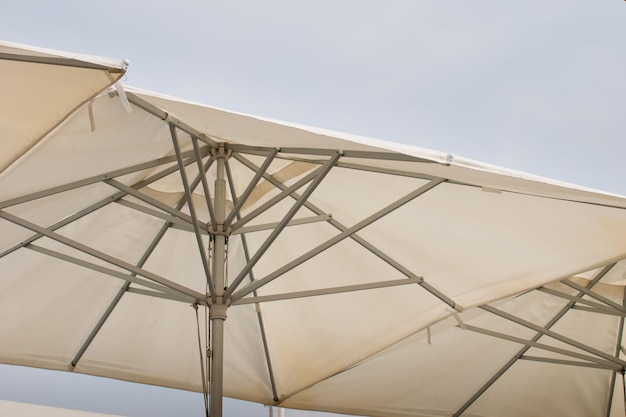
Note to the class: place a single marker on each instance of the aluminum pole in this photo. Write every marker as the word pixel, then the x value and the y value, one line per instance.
pixel 217 310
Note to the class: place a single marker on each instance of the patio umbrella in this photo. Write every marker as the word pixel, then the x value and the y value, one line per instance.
pixel 171 243
pixel 41 87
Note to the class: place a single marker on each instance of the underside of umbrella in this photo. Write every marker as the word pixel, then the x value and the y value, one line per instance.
pixel 176 244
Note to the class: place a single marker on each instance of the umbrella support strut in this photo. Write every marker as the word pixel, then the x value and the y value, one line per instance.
pixel 218 306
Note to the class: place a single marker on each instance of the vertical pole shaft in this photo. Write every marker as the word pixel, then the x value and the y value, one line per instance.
pixel 217 313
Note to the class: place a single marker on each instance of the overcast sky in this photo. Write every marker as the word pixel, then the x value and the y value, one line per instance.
pixel 537 86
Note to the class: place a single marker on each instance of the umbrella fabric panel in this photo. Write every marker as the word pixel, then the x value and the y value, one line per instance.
pixel 436 371
pixel 242 129
pixel 38 95
pixel 311 344
pixel 147 341
pixel 539 389
pixel 370 320
pixel 600 330
pixel 49 210
pixel 616 276
pixel 156 342
pixel 115 230
pixel 48 308
pixel 73 152
pixel 177 257
pixel 61 302
pixel 618 405
pixel 474 246
pixel 490 234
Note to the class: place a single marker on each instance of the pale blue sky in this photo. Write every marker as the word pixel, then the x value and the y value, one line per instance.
pixel 537 86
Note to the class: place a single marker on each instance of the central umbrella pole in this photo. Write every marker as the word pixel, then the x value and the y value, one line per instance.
pixel 217 310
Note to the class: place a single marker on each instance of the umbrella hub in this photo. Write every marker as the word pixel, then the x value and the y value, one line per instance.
pixel 218 311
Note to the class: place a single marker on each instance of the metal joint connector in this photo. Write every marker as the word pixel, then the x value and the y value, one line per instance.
pixel 218 311
pixel 221 151
pixel 213 232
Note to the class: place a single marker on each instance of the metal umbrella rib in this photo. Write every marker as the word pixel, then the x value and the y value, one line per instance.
pixel 552 334
pixel 162 292
pixel 192 210
pixel 100 255
pixel 338 238
pixel 618 347
pixel 282 224
pixel 243 197
pixel 537 336
pixel 354 236
pixel 94 207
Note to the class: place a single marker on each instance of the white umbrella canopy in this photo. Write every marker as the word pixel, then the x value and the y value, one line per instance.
pixel 41 87
pixel 335 272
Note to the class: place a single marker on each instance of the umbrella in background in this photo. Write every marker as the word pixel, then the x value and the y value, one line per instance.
pixel 155 240
pixel 40 88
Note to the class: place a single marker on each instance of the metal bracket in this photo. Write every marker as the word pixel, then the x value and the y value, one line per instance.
pixel 218 311
pixel 212 231
pixel 221 151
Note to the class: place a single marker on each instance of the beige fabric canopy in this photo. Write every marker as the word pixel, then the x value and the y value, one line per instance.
pixel 345 274
pixel 40 88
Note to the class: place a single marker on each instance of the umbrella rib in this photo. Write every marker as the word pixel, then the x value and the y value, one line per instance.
pixel 328 291
pixel 150 200
pixel 537 336
pixel 163 292
pixel 618 347
pixel 598 310
pixel 379 155
pixel 260 320
pixel 175 222
pixel 595 305
pixel 105 316
pixel 65 222
pixel 273 201
pixel 192 209
pixel 595 295
pixel 418 175
pixel 570 363
pixel 531 343
pixel 255 180
pixel 202 171
pixel 102 256
pixel 387 171
pixel 128 278
pixel 361 241
pixel 568 200
pixel 550 333
pixel 118 297
pixel 82 213
pixel 294 222
pixel 91 180
pixel 338 238
pixel 170 119
pixel 321 174
pixel 104 270
pixel 158 294
pixel 65 62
